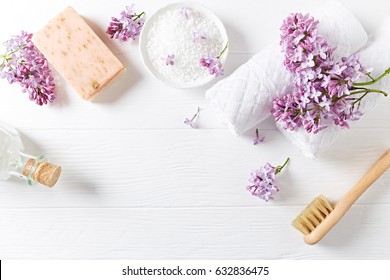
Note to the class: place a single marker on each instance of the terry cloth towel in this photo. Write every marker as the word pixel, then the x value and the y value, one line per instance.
pixel 244 99
pixel 375 54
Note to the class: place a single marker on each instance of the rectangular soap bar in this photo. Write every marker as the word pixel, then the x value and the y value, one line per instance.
pixel 77 53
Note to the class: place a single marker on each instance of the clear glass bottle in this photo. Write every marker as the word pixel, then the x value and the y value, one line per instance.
pixel 15 162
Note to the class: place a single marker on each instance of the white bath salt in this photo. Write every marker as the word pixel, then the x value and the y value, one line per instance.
pixel 188 39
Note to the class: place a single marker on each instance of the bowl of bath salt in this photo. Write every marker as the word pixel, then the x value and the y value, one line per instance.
pixel 175 39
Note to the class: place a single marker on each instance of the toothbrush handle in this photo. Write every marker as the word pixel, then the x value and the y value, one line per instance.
pixel 375 171
pixel 343 205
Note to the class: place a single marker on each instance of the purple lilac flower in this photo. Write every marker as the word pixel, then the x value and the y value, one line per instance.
pixel 128 26
pixel 191 122
pixel 197 36
pixel 324 90
pixel 213 63
pixel 24 64
pixel 170 60
pixel 186 12
pixel 262 181
pixel 259 138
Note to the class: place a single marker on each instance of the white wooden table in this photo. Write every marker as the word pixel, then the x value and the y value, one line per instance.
pixel 139 184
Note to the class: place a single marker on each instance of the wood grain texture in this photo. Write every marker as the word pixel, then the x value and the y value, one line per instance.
pixel 186 233
pixel 137 183
pixel 141 168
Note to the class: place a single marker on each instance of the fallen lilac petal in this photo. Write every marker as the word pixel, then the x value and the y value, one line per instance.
pixel 170 60
pixel 191 122
pixel 186 12
pixel 259 138
pixel 198 37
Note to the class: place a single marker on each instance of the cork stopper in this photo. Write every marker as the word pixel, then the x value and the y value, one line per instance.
pixel 44 172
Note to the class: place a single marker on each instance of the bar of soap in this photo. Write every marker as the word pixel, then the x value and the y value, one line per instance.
pixel 77 53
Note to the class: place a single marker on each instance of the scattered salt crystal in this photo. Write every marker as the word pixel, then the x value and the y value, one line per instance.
pixel 172 33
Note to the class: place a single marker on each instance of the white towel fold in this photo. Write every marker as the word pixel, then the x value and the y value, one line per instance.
pixel 375 54
pixel 244 99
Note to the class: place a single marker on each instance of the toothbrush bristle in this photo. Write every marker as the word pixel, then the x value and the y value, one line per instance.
pixel 313 215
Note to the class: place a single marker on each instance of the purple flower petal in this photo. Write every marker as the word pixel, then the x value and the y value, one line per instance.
pixel 213 64
pixel 186 12
pixel 322 87
pixel 197 36
pixel 170 60
pixel 259 138
pixel 191 122
pixel 263 183
pixel 128 26
pixel 25 64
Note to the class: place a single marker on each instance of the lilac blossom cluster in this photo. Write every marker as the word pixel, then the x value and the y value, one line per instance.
pixel 262 181
pixel 24 64
pixel 213 64
pixel 128 26
pixel 325 91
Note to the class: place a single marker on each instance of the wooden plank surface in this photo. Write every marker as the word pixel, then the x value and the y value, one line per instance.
pixel 137 183
pixel 186 233
pixel 141 168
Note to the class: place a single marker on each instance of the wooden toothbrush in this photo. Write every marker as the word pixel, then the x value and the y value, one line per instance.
pixel 318 218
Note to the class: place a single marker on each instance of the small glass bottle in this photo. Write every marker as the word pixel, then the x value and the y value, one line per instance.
pixel 14 162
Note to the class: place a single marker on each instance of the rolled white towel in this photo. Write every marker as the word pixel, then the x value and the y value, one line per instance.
pixel 244 99
pixel 375 54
